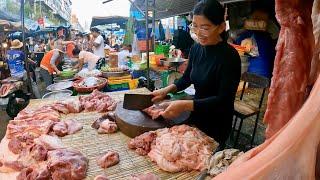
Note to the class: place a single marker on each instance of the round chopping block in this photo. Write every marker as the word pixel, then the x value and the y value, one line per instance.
pixel 134 123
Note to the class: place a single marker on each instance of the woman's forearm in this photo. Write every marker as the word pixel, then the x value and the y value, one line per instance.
pixel 188 105
pixel 171 88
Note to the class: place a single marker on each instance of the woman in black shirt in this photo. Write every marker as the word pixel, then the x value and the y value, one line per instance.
pixel 214 68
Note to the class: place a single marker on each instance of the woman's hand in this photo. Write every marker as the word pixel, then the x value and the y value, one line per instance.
pixel 160 95
pixel 175 108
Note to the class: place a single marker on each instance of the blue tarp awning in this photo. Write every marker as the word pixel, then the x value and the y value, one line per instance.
pixel 120 20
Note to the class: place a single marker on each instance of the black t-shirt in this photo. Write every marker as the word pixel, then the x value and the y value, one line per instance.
pixel 215 72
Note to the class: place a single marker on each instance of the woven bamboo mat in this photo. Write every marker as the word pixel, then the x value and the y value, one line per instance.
pixel 92 144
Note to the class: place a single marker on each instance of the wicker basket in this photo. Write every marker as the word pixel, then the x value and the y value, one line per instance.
pixel 80 89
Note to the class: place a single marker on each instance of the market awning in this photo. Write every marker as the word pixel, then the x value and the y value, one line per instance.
pixel 169 8
pixel 98 20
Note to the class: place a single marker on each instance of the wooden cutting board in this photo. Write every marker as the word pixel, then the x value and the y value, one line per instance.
pixel 133 123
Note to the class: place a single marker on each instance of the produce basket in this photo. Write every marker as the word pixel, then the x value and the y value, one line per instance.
pixel 81 89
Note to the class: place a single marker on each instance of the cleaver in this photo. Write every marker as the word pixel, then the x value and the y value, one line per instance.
pixel 137 101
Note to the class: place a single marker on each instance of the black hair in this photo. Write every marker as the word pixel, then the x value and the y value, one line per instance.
pixel 80 35
pixel 213 11
pixel 94 29
pixel 76 51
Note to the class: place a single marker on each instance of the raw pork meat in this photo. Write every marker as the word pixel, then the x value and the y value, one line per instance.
pixel 154 111
pixel 101 177
pixel 31 156
pixel 107 127
pixel 142 143
pixel 148 176
pixel 111 158
pixel 18 128
pixel 29 173
pixel 67 107
pixel 73 126
pixel 15 145
pixel 5 89
pixel 97 101
pixel 42 113
pixel 67 127
pixel 289 154
pixel 182 148
pixel 60 129
pixel 50 142
pixel 67 164
pixel 315 66
pixel 110 116
pixel 292 63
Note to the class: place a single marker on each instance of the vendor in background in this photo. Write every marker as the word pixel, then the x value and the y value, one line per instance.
pixel 123 55
pixel 49 63
pixel 214 68
pixel 87 43
pixel 93 61
pixel 50 44
pixel 79 41
pixel 15 57
pixel 60 43
pixel 41 47
pixel 262 42
pixel 98 43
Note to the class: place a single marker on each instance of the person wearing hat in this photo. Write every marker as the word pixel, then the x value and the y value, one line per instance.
pixel 48 65
pixel 98 43
pixel 15 57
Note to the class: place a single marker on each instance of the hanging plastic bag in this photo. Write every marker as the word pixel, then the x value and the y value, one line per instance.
pixel 251 46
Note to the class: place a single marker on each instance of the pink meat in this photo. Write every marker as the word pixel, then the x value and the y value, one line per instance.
pixel 67 164
pixel 73 126
pixel 154 111
pixel 142 144
pixel 109 159
pixel 292 153
pixel 107 127
pixel 49 142
pixel 315 66
pixel 15 146
pixel 67 127
pixel 34 174
pixel 148 176
pixel 97 101
pixel 292 63
pixel 36 128
pixel 101 177
pixel 181 148
pixel 60 129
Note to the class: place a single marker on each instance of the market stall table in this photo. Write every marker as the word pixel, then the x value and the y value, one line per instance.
pixel 91 144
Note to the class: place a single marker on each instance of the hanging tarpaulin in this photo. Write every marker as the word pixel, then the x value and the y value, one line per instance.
pixel 128 39
pixel 162 35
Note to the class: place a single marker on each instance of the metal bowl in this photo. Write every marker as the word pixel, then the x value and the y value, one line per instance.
pixel 172 62
pixel 60 86
pixel 58 95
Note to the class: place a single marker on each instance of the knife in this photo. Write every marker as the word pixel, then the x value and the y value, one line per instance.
pixel 137 101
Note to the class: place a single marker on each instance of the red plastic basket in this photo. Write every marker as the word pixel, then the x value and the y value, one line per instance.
pixel 81 89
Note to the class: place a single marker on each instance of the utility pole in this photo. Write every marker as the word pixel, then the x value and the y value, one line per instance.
pixel 153 24
pixel 147 41
pixel 24 44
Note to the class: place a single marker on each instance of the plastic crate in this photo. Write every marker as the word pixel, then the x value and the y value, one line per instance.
pixel 162 49
pixel 117 87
